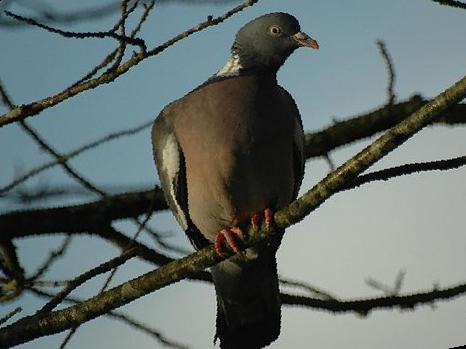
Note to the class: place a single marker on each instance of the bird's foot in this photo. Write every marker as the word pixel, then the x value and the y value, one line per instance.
pixel 257 218
pixel 228 235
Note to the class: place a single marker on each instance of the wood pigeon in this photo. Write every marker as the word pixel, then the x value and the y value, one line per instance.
pixel 231 151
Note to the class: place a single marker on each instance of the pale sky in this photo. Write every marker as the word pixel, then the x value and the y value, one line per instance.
pixel 414 223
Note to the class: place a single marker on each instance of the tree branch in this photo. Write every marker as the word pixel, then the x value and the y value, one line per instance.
pixel 408 301
pixel 360 127
pixel 121 317
pixel 50 15
pixel 79 280
pixel 452 3
pixel 62 158
pixel 407 169
pixel 34 108
pixel 81 218
pixel 101 35
pixel 390 69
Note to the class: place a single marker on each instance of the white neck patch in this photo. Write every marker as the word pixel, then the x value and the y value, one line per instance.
pixel 231 67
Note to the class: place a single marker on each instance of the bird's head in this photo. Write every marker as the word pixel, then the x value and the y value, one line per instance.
pixel 267 41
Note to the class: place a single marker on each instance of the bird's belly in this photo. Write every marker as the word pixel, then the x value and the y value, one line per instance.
pixel 250 179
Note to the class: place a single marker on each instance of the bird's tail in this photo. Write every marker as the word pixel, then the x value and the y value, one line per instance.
pixel 248 299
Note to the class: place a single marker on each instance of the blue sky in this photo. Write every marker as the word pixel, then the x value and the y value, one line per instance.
pixel 415 223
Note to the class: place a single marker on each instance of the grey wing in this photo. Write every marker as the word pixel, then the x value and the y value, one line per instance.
pixel 298 144
pixel 170 163
pixel 298 155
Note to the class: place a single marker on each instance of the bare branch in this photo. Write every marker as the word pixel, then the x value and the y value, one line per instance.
pixel 62 158
pixel 50 15
pixel 5 97
pixel 388 290
pixel 391 71
pixel 111 56
pixel 101 35
pixel 407 169
pixel 9 315
pixel 452 3
pixel 9 262
pixel 368 124
pixel 45 192
pixel 308 287
pixel 53 256
pixel 123 318
pixel 79 280
pixel 73 173
pixel 409 301
pixel 34 108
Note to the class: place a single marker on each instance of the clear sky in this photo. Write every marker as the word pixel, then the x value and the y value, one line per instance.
pixel 414 223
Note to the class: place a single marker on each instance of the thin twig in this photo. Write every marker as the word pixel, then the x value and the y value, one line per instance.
pixel 125 12
pixel 52 16
pixel 79 280
pixel 10 314
pixel 308 287
pixel 62 158
pixel 391 72
pixel 81 35
pixel 121 317
pixel 72 172
pixel 389 173
pixel 111 56
pixel 388 290
pixel 5 97
pixel 53 256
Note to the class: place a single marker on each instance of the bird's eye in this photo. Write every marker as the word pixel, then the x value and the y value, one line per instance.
pixel 275 30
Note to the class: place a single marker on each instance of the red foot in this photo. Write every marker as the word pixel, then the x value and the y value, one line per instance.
pixel 268 218
pixel 256 219
pixel 228 235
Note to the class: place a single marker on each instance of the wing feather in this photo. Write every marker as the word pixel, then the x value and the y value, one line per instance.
pixel 171 168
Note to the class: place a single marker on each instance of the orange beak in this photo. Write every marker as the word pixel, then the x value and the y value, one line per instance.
pixel 305 40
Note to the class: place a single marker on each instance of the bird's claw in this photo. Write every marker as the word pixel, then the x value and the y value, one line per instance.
pixel 228 235
pixel 257 218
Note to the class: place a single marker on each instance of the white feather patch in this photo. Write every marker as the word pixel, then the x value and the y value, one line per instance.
pixel 171 166
pixel 231 67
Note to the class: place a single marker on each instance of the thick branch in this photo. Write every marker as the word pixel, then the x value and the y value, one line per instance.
pixel 36 326
pixel 81 218
pixel 366 125
pixel 366 305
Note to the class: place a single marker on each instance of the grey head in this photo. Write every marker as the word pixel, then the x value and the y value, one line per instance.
pixel 267 41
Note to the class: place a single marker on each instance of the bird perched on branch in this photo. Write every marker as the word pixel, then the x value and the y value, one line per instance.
pixel 231 151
